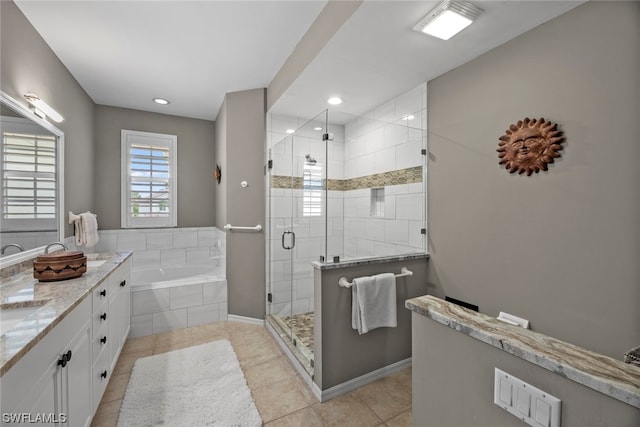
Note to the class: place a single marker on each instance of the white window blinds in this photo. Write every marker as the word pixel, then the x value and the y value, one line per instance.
pixel 149 198
pixel 312 189
pixel 28 176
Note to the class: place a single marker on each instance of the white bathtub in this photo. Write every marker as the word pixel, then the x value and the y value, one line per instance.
pixel 179 275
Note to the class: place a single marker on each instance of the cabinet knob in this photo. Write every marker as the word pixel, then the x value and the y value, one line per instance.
pixel 103 340
pixel 103 316
pixel 103 293
pixel 123 283
pixel 62 361
pixel 64 358
pixel 104 374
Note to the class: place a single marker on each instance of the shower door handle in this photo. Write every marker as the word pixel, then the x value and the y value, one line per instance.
pixel 293 240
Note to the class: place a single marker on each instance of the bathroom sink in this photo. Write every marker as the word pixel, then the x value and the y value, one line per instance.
pixel 9 317
pixel 95 263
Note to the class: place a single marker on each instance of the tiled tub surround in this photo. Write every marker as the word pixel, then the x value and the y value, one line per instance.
pixel 606 375
pixel 195 298
pixel 156 247
pixel 54 299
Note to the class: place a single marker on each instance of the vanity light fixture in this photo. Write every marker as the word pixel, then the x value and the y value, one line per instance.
pixel 448 19
pixel 42 109
pixel 334 100
pixel 161 101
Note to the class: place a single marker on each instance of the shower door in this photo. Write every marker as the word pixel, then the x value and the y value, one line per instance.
pixel 297 236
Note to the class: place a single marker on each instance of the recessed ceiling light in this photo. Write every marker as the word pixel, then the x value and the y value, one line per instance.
pixel 448 19
pixel 290 131
pixel 334 100
pixel 160 101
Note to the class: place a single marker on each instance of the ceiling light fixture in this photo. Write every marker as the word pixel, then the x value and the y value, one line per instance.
pixel 448 19
pixel 161 101
pixel 41 108
pixel 334 100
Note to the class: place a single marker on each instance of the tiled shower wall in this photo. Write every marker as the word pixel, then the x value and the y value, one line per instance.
pixel 383 149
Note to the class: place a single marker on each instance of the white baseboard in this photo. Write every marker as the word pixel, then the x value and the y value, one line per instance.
pixel 360 381
pixel 345 387
pixel 252 320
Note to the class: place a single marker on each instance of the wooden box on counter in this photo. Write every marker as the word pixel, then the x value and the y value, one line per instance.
pixel 59 265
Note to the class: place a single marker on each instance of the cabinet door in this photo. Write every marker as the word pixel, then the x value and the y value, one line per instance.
pixel 78 379
pixel 44 403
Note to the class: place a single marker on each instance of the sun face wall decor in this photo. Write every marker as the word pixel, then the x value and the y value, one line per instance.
pixel 529 146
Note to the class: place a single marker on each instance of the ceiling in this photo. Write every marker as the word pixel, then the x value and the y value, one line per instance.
pixel 193 52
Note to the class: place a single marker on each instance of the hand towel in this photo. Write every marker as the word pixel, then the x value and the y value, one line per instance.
pixel 373 302
pixel 86 230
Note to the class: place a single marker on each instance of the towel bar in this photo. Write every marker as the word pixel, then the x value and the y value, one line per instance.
pixel 344 283
pixel 230 227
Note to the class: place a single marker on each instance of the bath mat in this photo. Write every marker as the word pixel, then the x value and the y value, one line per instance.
pixel 196 386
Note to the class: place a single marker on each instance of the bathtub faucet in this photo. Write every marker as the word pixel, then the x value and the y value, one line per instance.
pixel 15 245
pixel 46 249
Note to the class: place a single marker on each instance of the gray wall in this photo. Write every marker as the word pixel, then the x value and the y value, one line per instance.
pixel 340 353
pixel 242 130
pixel 196 184
pixel 560 248
pixel 29 65
pixel 450 367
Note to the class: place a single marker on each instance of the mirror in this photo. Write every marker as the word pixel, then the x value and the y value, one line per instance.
pixel 32 180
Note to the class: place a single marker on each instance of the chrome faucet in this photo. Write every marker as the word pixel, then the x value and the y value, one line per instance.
pixel 15 245
pixel 46 249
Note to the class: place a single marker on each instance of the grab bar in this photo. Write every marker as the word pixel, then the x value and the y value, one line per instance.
pixel 344 283
pixel 230 227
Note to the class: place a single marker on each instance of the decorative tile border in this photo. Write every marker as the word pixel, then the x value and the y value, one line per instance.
pixel 384 179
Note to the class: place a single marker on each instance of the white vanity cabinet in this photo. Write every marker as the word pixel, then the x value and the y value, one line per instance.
pixel 52 380
pixel 61 379
pixel 111 319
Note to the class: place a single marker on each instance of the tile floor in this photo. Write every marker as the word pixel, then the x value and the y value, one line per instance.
pixel 279 393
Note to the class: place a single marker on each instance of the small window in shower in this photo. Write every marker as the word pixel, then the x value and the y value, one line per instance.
pixel 377 202
pixel 312 188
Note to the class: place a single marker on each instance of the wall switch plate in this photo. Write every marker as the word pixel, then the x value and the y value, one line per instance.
pixel 526 402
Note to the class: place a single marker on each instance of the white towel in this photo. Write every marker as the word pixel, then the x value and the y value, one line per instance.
pixel 86 229
pixel 373 302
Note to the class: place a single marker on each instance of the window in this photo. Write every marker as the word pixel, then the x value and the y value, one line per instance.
pixel 149 179
pixel 312 189
pixel 28 180
pixel 377 202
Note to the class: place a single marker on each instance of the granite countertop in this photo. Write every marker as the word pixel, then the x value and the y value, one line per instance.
pixel 365 261
pixel 52 302
pixel 609 376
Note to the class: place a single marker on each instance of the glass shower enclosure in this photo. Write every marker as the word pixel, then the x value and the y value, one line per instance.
pixel 340 188
pixel 297 221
